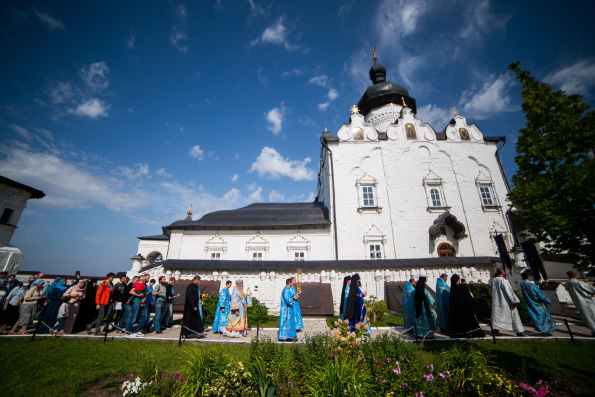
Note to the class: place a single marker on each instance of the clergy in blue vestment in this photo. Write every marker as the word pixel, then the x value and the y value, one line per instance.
pixel 356 311
pixel 409 304
pixel 222 312
pixel 537 302
pixel 425 315
pixel 344 296
pixel 286 315
pixel 299 323
pixel 442 303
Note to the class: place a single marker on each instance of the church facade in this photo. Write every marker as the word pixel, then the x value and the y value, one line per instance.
pixel 396 199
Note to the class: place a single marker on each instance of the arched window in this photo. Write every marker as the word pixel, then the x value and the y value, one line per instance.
pixel 446 250
pixel 435 197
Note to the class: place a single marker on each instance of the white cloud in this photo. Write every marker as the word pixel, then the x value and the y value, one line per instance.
pixel 95 76
pixel 323 106
pixel 197 153
pixel 330 96
pixel 61 91
pixel 275 118
pixel 275 196
pixel 272 165
pixel 320 80
pixel 182 11
pixel 492 97
pixel 292 72
pixel 255 9
pixel 345 9
pixel 398 18
pixel 234 178
pixel 232 195
pixel 256 196
pixel 177 38
pixel 262 77
pixel 21 131
pixel 92 108
pixel 276 34
pixel 576 78
pixel 141 170
pixel 131 40
pixel 162 173
pixel 434 115
pixel 48 19
pixel 480 20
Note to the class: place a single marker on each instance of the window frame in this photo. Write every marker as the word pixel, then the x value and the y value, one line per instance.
pixel 437 184
pixel 488 187
pixel 375 248
pixel 367 185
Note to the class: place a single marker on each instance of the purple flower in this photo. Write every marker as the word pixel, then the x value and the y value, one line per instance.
pixel 177 375
pixel 420 394
pixel 448 373
pixel 539 382
pixel 431 367
pixel 429 377
pixel 396 371
pixel 441 374
pixel 404 384
pixel 524 386
pixel 182 380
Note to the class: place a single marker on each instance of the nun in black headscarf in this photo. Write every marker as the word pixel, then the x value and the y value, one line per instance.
pixel 356 308
pixel 425 315
pixel 463 309
pixel 344 296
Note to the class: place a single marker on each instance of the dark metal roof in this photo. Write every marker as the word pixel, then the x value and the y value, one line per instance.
pixel 263 215
pixel 205 264
pixel 156 237
pixel 35 194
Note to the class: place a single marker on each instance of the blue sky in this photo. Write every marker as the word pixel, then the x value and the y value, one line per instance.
pixel 126 113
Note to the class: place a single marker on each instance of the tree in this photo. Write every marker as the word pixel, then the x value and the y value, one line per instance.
pixel 554 187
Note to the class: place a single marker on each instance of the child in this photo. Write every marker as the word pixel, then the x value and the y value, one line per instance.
pixel 62 314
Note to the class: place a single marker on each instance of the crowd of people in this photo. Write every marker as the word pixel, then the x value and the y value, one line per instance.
pixel 70 307
pixel 126 306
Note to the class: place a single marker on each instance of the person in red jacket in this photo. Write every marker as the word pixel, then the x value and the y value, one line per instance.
pixel 103 299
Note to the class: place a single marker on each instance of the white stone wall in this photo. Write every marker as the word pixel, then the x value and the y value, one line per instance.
pixel 268 284
pixel 16 200
pixel 397 169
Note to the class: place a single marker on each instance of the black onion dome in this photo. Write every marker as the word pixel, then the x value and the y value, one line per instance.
pixel 383 92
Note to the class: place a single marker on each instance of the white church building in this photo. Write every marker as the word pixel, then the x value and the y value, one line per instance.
pixel 396 199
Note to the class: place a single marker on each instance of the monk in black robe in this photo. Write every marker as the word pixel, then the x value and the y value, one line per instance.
pixel 192 321
pixel 463 309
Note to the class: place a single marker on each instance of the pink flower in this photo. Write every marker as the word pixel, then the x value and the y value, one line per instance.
pixel 431 367
pixel 539 382
pixel 441 374
pixel 429 377
pixel 404 384
pixel 396 371
pixel 182 380
pixel 388 360
pixel 420 394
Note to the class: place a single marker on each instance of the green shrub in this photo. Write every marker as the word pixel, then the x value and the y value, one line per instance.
pixel 202 367
pixel 209 307
pixel 339 378
pixel 257 313
pixel 376 309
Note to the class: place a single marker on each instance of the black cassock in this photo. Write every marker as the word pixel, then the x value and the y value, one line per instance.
pixel 192 317
pixel 462 313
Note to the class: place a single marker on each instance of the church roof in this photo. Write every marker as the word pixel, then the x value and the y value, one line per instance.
pixel 210 265
pixel 35 194
pixel 262 215
pixel 156 237
pixel 383 92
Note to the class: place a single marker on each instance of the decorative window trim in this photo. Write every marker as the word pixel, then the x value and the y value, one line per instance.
pixel 298 244
pixel 257 244
pixel 489 185
pixel 432 181
pixel 366 181
pixel 216 245
pixel 374 237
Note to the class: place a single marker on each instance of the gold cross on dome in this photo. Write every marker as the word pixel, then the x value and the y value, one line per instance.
pixel 354 109
pixel 454 111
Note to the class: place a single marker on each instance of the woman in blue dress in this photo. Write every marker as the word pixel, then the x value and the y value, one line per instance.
pixel 356 307
pixel 425 315
pixel 537 302
pixel 344 296
pixel 54 300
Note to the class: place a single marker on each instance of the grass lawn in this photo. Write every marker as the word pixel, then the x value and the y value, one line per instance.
pixel 389 320
pixel 66 366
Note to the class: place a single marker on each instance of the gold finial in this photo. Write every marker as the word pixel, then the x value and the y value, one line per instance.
pixel 404 104
pixel 374 54
pixel 354 109
pixel 454 111
pixel 190 211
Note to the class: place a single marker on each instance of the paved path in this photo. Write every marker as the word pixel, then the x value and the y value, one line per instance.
pixel 316 325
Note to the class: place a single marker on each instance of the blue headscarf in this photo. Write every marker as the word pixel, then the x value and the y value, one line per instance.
pixel 58 284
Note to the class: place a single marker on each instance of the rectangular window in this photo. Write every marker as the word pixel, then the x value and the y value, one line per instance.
pixel 375 251
pixel 298 256
pixel 257 256
pixel 486 195
pixel 435 197
pixel 368 196
pixel 215 255
pixel 6 215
